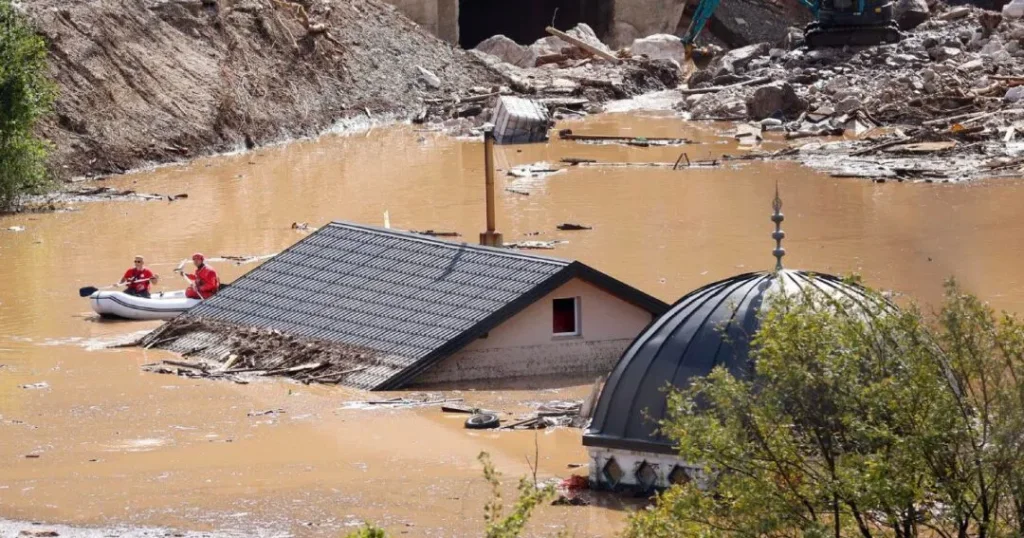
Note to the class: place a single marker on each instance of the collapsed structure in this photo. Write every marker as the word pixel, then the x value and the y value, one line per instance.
pixel 708 328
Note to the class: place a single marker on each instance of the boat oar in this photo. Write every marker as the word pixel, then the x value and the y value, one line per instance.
pixel 89 290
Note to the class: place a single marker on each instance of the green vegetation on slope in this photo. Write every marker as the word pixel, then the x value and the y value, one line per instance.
pixel 26 94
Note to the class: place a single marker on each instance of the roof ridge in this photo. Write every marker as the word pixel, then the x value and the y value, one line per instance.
pixel 404 234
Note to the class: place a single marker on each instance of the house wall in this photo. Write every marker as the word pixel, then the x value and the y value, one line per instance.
pixel 633 19
pixel 524 345
pixel 617 22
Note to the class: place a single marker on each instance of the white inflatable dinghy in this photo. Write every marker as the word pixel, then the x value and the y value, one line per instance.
pixel 164 305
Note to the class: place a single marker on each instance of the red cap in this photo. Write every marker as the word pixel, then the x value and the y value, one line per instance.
pixel 198 255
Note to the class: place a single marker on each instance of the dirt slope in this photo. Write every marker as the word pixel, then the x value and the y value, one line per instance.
pixel 160 80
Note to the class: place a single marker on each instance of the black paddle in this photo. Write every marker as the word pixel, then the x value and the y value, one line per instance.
pixel 89 290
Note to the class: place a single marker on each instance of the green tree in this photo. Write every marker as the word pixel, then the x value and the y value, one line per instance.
pixel 858 420
pixel 26 94
pixel 500 524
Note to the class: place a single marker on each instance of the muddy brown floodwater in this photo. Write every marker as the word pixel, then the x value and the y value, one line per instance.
pixel 117 446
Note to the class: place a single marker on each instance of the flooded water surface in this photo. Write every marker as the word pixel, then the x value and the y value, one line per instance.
pixel 87 438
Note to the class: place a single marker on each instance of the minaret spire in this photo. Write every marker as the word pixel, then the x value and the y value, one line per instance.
pixel 778 235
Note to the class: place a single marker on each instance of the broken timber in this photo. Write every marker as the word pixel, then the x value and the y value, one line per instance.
pixel 582 44
pixel 567 134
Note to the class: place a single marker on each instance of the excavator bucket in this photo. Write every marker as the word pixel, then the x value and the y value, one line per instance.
pixel 696 58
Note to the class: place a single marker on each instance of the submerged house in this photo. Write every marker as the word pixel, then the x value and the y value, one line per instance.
pixel 707 328
pixel 428 311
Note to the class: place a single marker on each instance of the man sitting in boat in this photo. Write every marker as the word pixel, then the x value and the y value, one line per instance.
pixel 138 278
pixel 204 281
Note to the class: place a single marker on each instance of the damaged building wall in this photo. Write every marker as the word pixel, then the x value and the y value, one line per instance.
pixel 439 17
pixel 634 19
pixel 525 345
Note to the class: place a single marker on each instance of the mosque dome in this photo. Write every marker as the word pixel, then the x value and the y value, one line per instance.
pixel 709 327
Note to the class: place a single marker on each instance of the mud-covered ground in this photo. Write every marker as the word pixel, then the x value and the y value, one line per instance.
pixel 167 80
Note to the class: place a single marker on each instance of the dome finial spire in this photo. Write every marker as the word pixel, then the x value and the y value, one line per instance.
pixel 778 235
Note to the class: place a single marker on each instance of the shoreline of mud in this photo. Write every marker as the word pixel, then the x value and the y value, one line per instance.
pixel 36 529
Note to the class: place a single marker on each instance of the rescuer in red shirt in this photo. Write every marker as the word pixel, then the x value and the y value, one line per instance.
pixel 204 281
pixel 138 279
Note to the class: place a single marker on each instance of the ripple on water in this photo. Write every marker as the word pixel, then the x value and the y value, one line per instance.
pixel 137 445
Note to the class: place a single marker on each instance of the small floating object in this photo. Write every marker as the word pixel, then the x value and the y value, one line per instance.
pixel 535 245
pixel 483 421
pixel 571 226
pixel 160 306
pixel 16 228
pixel 435 233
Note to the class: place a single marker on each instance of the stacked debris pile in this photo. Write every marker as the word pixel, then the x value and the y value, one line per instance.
pixel 953 82
pixel 225 351
pixel 571 73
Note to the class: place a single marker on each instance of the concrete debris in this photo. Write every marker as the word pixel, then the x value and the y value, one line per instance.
pixel 571 76
pixel 1014 10
pixel 509 51
pixel 660 47
pixel 430 79
pixel 954 79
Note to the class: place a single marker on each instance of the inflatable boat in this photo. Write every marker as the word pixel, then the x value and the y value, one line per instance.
pixel 165 305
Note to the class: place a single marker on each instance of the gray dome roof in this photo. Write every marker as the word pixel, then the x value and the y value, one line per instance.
pixel 709 327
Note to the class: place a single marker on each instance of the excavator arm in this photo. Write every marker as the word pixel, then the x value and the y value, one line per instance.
pixel 706 9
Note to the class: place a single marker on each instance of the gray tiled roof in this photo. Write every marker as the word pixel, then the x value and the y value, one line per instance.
pixel 411 298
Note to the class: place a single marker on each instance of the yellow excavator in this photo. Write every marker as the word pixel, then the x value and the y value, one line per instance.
pixel 837 23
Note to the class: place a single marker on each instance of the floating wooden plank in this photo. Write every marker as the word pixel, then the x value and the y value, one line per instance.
pixel 924 147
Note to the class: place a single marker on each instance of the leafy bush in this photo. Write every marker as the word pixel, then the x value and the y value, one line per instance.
pixel 26 94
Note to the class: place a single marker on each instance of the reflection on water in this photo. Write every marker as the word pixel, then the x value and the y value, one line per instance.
pixel 117 444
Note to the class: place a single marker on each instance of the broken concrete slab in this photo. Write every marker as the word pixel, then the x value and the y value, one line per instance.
pixel 660 47
pixel 508 51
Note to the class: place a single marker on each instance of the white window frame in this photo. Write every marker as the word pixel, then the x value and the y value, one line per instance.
pixel 576 316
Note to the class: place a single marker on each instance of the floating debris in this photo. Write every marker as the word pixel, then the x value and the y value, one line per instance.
pixel 570 226
pixel 540 169
pixel 640 141
pixel 435 233
pixel 535 245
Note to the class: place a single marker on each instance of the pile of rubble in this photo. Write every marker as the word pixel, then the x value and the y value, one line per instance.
pixel 571 73
pixel 949 90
